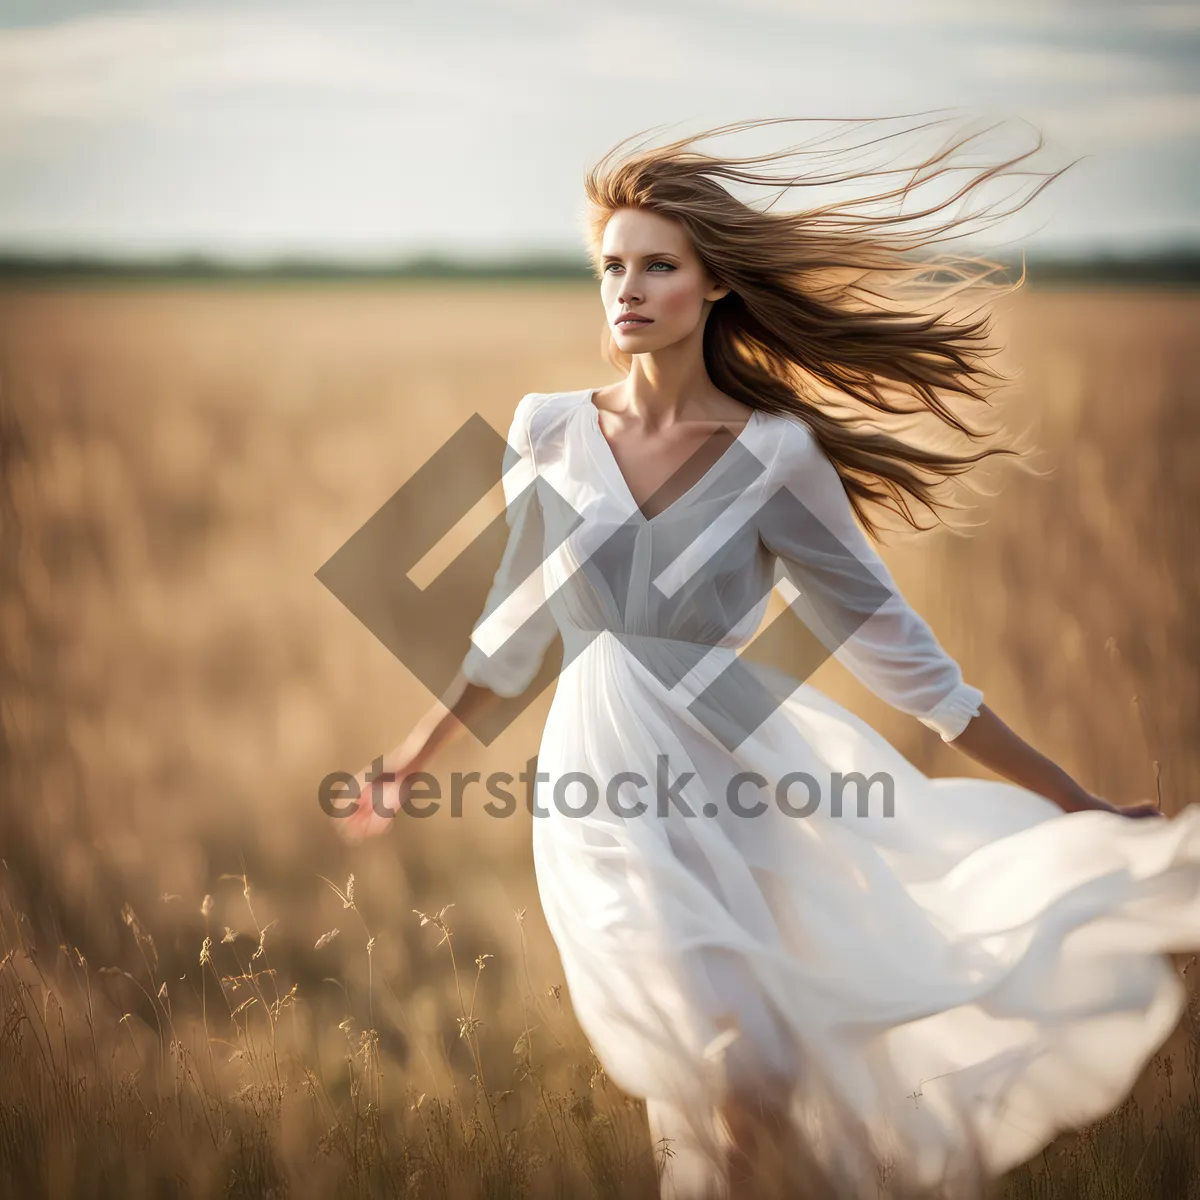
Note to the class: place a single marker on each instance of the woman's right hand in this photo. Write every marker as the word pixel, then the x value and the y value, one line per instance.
pixel 437 728
pixel 365 821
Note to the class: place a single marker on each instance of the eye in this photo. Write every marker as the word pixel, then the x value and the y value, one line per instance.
pixel 657 263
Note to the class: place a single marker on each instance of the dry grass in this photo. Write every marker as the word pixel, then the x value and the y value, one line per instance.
pixel 174 1017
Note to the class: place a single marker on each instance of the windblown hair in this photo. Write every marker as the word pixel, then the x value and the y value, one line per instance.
pixel 830 308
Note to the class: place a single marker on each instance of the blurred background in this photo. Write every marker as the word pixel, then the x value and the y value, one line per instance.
pixel 256 266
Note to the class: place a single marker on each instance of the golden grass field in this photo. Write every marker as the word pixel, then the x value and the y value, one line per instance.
pixel 176 464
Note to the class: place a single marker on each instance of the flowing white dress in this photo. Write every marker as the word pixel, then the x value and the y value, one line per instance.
pixel 935 986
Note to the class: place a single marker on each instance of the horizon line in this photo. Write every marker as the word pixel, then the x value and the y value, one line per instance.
pixel 1178 260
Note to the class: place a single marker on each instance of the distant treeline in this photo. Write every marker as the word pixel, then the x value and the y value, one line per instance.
pixel 195 268
pixel 1169 267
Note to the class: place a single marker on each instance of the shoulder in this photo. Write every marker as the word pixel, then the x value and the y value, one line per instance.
pixel 791 440
pixel 798 462
pixel 541 416
pixel 535 409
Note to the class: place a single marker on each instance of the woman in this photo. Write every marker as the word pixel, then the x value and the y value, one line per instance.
pixel 922 987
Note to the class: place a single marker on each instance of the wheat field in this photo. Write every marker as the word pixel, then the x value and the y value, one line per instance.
pixel 203 992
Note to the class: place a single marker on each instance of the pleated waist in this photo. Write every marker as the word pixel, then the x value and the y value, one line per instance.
pixel 672 662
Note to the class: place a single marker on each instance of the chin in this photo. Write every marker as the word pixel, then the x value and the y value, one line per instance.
pixel 639 343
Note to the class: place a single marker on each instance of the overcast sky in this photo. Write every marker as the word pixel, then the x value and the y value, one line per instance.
pixel 465 126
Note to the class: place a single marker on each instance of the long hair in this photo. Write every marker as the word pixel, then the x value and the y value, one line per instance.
pixel 831 308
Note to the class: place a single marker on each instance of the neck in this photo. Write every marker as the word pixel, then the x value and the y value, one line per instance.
pixel 664 387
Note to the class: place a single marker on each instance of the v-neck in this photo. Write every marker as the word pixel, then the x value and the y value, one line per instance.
pixel 619 476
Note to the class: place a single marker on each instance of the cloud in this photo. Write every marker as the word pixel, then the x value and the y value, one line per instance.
pixel 97 68
pixel 1113 122
pixel 376 125
pixel 1058 65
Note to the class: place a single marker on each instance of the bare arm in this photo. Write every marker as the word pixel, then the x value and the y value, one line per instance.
pixel 381 784
pixel 991 743
pixel 444 723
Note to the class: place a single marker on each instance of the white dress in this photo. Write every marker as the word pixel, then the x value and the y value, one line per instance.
pixel 937 989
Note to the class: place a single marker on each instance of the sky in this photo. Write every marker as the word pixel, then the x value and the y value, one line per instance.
pixel 371 131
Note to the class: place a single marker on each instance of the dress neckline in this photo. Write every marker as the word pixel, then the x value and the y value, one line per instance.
pixel 610 460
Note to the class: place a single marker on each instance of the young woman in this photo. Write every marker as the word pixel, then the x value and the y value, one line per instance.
pixel 918 988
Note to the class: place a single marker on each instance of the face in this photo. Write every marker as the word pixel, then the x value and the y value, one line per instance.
pixel 651 268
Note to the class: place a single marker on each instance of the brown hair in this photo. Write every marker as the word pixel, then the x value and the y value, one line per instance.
pixel 809 299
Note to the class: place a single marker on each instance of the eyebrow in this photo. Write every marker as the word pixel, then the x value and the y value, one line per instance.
pixel 656 254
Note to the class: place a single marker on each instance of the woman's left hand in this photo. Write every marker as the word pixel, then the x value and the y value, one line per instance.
pixel 1143 808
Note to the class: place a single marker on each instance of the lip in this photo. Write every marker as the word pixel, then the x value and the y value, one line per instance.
pixel 629 320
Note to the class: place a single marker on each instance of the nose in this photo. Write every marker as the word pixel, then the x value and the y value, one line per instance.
pixel 630 294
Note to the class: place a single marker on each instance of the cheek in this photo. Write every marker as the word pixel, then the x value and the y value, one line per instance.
pixel 679 300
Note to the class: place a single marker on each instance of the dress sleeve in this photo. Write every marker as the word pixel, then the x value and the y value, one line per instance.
pixel 847 597
pixel 511 636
